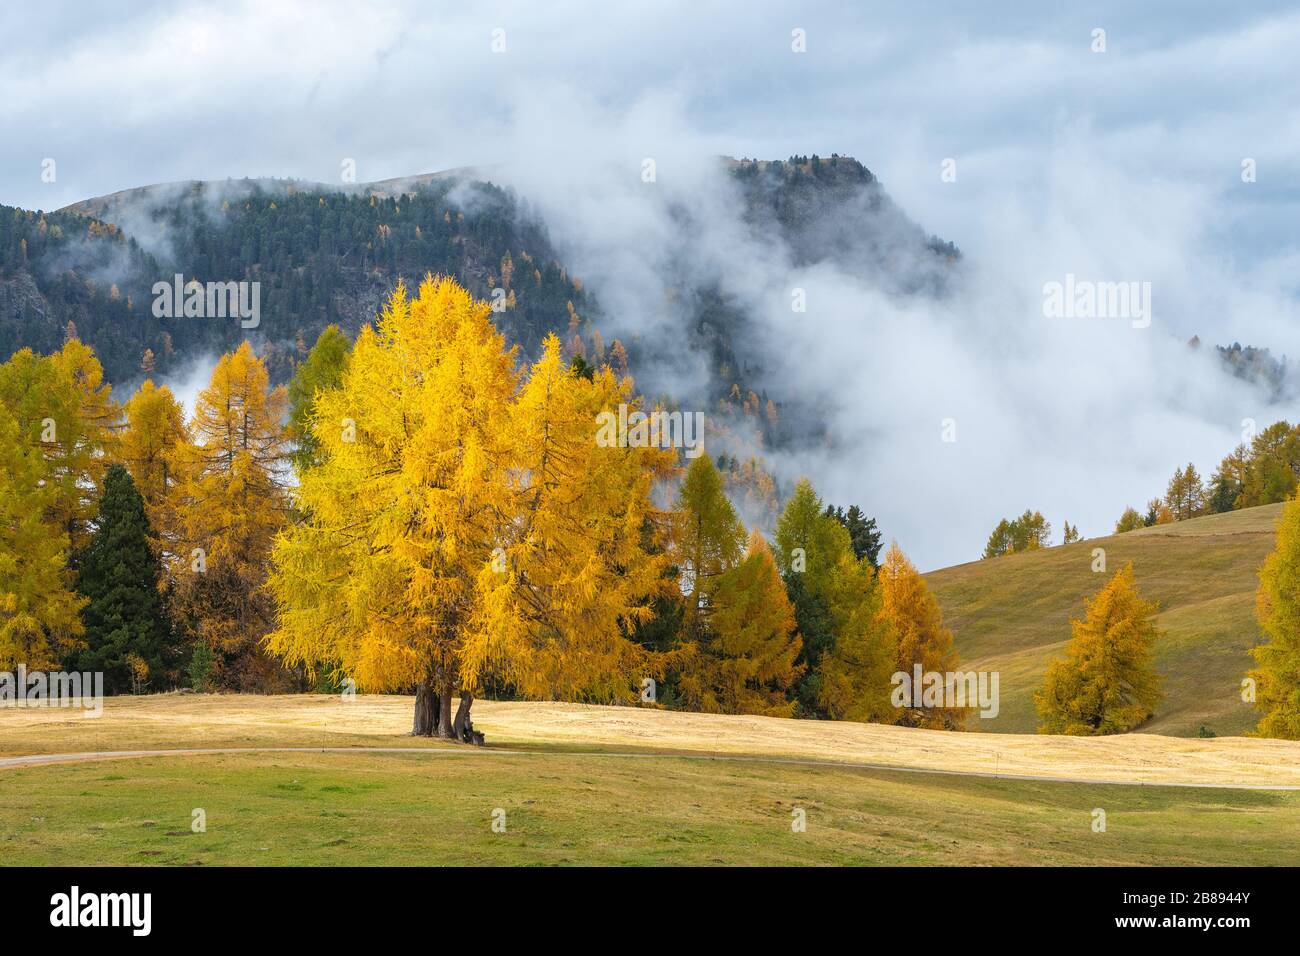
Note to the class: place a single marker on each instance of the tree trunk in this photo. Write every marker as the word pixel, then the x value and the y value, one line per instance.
pixel 444 714
pixel 462 727
pixel 426 715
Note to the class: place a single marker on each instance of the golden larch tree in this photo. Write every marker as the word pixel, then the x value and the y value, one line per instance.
pixel 576 559
pixel 1277 607
pixel 710 540
pixel 153 448
pixel 227 508
pixel 67 418
pixel 1107 681
pixel 458 525
pixel 808 542
pixel 39 610
pixel 854 673
pixel 91 450
pixel 748 656
pixel 911 610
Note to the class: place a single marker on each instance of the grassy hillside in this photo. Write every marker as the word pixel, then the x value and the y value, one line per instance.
pixel 1012 614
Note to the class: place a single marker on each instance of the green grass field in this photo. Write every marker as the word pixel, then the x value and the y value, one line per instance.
pixel 1012 614
pixel 359 809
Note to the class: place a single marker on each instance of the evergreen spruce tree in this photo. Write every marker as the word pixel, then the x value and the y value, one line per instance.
pixel 863 533
pixel 118 574
pixel 810 543
pixel 816 624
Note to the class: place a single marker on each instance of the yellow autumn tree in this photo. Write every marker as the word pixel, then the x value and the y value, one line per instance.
pixel 709 540
pixel 378 581
pixel 90 451
pixel 1107 681
pixel 228 506
pixel 747 657
pixel 153 448
pixel 913 613
pixel 459 523
pixel 808 542
pixel 1277 607
pixel 39 610
pixel 575 563
pixel 68 419
pixel 854 672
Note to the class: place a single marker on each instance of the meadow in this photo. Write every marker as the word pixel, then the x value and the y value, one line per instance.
pixel 570 784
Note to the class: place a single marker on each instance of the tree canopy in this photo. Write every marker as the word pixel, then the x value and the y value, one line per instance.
pixel 1107 682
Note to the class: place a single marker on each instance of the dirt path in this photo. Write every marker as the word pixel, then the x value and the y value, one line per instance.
pixel 38 760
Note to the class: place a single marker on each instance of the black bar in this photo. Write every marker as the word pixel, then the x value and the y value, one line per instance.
pixel 956 906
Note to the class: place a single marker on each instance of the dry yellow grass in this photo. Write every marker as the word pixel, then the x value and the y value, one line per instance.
pixel 178 721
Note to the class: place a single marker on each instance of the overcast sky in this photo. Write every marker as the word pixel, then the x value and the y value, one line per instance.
pixel 126 93
pixel 1124 164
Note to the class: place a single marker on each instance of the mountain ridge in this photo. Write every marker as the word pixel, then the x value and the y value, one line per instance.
pixel 331 253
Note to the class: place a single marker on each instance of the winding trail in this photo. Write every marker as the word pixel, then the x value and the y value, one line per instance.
pixel 39 760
